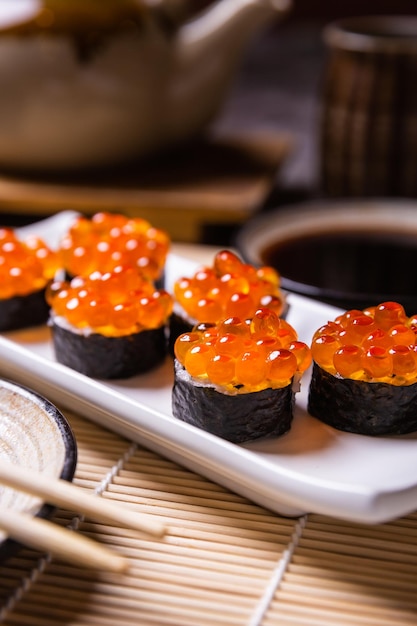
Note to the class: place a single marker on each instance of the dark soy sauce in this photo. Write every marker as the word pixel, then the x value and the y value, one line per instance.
pixel 365 264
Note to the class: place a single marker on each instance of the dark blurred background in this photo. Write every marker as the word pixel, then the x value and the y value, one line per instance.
pixel 333 9
pixel 278 86
pixel 277 90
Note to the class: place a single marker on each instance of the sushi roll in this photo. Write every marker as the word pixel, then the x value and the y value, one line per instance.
pixel 237 379
pixel 364 377
pixel 108 240
pixel 26 268
pixel 109 325
pixel 228 288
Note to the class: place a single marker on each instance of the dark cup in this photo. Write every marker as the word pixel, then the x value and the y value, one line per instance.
pixel 368 121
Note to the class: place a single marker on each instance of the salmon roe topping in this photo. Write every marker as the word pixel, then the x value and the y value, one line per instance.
pixel 108 240
pixel 230 288
pixel 375 345
pixel 25 265
pixel 243 356
pixel 110 303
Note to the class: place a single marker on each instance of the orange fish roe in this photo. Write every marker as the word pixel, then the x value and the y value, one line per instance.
pixel 230 288
pixel 244 355
pixel 26 265
pixel 108 240
pixel 377 344
pixel 113 304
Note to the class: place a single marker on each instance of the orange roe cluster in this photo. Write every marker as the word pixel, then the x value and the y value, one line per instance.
pixel 230 288
pixel 113 304
pixel 108 240
pixel 377 344
pixel 244 355
pixel 26 265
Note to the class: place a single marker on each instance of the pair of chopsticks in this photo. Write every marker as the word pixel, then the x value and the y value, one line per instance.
pixel 58 541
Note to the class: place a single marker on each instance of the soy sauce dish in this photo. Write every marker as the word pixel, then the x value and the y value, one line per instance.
pixel 350 254
pixel 33 434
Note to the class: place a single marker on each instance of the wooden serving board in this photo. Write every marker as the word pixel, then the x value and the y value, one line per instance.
pixel 212 181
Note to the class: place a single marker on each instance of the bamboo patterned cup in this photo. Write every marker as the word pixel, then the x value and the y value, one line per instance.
pixel 368 124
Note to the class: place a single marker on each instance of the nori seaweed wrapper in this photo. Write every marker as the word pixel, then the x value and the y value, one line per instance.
pixel 238 418
pixel 366 408
pixel 24 311
pixel 98 356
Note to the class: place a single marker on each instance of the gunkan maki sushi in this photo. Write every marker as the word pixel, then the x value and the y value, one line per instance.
pixel 26 267
pixel 227 288
pixel 237 379
pixel 109 325
pixel 364 377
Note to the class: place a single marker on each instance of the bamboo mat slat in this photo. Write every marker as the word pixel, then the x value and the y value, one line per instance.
pixel 343 574
pixel 224 561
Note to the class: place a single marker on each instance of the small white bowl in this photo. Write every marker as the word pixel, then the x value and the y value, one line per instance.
pixel 33 434
pixel 350 253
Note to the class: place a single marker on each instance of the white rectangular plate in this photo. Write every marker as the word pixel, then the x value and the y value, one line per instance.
pixel 313 468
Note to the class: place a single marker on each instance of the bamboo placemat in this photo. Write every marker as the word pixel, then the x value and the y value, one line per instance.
pixel 224 561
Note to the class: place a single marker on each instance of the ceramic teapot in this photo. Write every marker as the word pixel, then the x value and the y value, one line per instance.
pixel 88 83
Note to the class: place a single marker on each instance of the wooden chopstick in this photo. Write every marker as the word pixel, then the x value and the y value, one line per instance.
pixel 67 495
pixel 63 543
